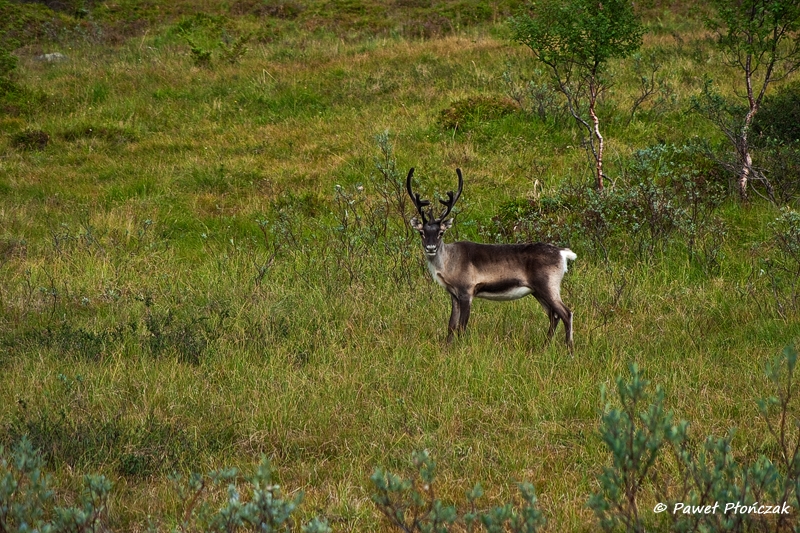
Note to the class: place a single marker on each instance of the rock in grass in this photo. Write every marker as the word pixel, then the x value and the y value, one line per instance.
pixel 54 57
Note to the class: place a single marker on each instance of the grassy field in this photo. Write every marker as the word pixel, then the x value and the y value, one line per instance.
pixel 205 263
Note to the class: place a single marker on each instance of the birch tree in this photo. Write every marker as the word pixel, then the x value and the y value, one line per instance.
pixel 575 39
pixel 761 39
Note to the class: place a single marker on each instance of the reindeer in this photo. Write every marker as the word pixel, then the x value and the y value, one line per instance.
pixel 502 272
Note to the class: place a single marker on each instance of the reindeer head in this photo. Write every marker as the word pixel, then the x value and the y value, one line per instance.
pixel 432 229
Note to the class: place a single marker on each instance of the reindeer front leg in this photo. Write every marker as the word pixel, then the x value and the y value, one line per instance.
pixel 455 318
pixel 466 307
pixel 459 316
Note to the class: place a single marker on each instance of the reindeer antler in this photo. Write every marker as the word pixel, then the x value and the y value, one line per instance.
pixel 418 202
pixel 451 200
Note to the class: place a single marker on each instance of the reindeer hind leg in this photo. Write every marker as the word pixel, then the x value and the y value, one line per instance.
pixel 552 315
pixel 553 325
pixel 556 310
pixel 565 314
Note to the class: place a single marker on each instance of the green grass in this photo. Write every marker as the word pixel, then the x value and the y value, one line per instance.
pixel 138 336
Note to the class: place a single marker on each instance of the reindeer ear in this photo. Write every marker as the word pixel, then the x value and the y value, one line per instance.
pixel 416 224
pixel 447 224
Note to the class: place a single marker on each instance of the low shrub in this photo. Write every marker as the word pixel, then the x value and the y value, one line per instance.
pixel 667 195
pixel 253 503
pixel 779 262
pixel 411 505
pixel 466 113
pixel 778 118
pixel 642 437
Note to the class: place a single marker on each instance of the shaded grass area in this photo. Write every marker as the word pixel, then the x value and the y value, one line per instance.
pixel 185 287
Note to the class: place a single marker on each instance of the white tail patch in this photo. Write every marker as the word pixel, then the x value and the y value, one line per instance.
pixel 567 254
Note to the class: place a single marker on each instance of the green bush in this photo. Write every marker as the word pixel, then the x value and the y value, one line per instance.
pixel 781 167
pixel 468 112
pixel 543 218
pixel 200 56
pixel 411 505
pixel 27 501
pixel 780 262
pixel 253 503
pixel 778 118
pixel 265 510
pixel 667 196
pixel 641 435
pixel 635 434
pixel 776 139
